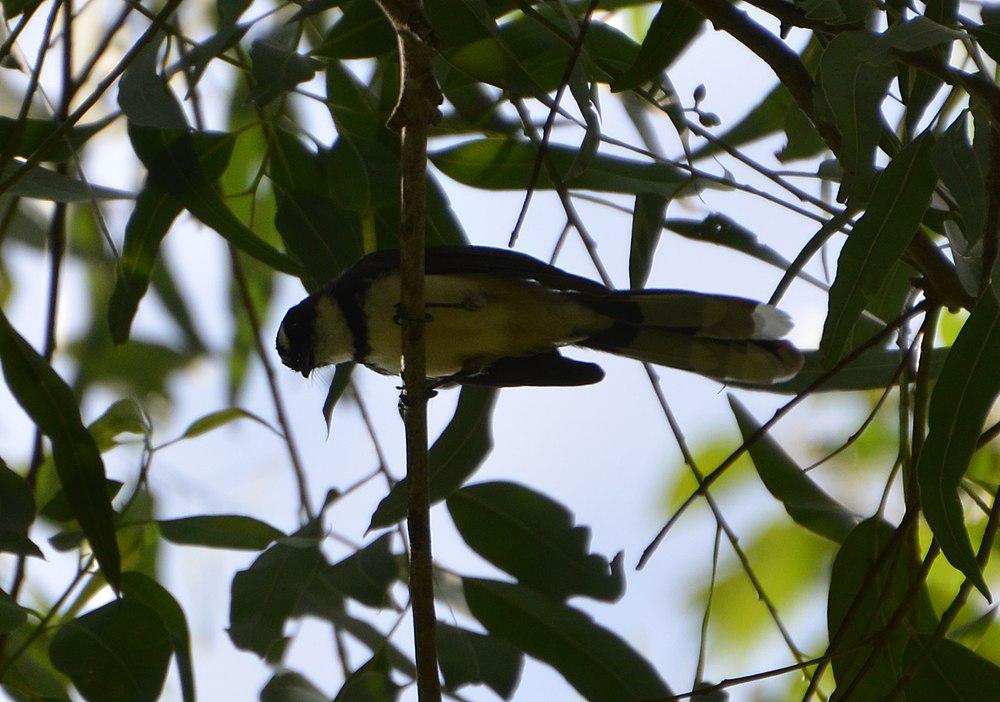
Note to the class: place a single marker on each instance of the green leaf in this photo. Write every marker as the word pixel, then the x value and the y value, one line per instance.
pixel 803 499
pixel 960 171
pixel 154 213
pixel 265 595
pixel 231 531
pixel 950 673
pixel 647 222
pixel 370 683
pixel 12 615
pixel 594 660
pixel 533 538
pixel 988 34
pixel 52 407
pixel 145 97
pixel 872 370
pixel 674 27
pixel 455 456
pixel 173 164
pixel 341 381
pixel 58 508
pixel 122 417
pixel 143 589
pixel 32 676
pixel 277 68
pixel 214 420
pixel 117 653
pixel 13 8
pixel 17 502
pixel 897 206
pixel 467 657
pixel 854 75
pixel 862 607
pixel 25 136
pixel 43 184
pixel 499 163
pixel 770 115
pixel 961 401
pixel 938 16
pixel 365 575
pixel 351 106
pixel 324 237
pixel 290 687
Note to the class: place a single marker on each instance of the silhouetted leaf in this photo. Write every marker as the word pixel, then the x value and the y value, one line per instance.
pixel 341 381
pixel 506 164
pixel 43 184
pixel 51 405
pixel 458 452
pixel 896 209
pixel 214 420
pixel 804 501
pixel 59 510
pixel 533 538
pixel 143 589
pixel 12 615
pixel 117 653
pixel 594 660
pixel 877 600
pixel 674 27
pixel 25 136
pixel 291 687
pixel 17 502
pixel 145 97
pixel 277 68
pixel 961 401
pixel 988 34
pixel 265 594
pixel 647 222
pixel 173 164
pixel 948 673
pixel 370 683
pixel 232 531
pixel 154 212
pixel 467 657
pixel 365 575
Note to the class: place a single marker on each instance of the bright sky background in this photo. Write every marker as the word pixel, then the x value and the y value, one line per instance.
pixel 604 451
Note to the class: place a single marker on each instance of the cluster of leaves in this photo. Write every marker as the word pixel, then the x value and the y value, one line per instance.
pixel 286 203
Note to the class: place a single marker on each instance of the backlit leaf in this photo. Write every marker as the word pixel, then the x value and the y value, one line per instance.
pixel 232 531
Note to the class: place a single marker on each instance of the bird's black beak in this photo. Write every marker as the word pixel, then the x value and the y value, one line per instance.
pixel 305 372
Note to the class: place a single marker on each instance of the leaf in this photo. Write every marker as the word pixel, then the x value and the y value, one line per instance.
pixel 341 381
pixel 499 163
pixel 458 452
pixel 59 510
pixel 594 660
pixel 804 501
pixel 467 657
pixel 264 595
pixel 770 115
pixel 145 97
pixel 143 589
pixel 370 683
pixel 988 34
pixel 959 170
pixel 12 615
pixel 877 600
pixel 938 15
pixel 365 575
pixel 961 401
pixel 290 687
pixel 43 184
pixel 172 161
pixel 52 407
pixel 17 502
pixel 232 531
pixel 24 137
pixel 214 420
pixel 532 537
pixel 951 673
pixel 872 370
pixel 647 222
pixel 154 213
pixel 674 27
pixel 897 206
pixel 854 75
pixel 122 417
pixel 117 653
pixel 32 673
pixel 277 68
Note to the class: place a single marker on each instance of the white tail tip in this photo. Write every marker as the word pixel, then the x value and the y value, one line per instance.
pixel 770 323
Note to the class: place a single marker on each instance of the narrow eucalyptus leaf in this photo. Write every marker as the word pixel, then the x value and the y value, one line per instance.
pixel 231 531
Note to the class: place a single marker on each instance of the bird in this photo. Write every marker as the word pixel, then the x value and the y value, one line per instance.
pixel 499 318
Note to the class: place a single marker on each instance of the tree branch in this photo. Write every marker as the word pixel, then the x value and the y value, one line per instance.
pixel 415 110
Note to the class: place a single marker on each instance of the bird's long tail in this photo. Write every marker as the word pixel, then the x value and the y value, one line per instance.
pixel 722 337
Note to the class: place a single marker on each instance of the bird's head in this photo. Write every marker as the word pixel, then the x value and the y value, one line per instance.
pixel 313 334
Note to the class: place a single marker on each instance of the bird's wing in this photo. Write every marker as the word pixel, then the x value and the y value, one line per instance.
pixel 470 260
pixel 544 369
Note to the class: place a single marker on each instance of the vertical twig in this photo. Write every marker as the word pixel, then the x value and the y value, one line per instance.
pixel 415 111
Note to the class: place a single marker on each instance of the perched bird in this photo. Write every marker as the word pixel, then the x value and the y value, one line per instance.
pixel 497 317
